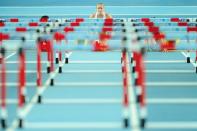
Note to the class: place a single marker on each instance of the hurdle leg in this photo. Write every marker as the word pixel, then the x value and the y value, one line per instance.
pixel 51 64
pixel 3 90
pixel 131 60
pixel 60 62
pixel 134 62
pixel 22 76
pixel 3 118
pixel 66 58
pixel 141 89
pixel 21 87
pixel 1 59
pixel 56 58
pixel 20 118
pixel 125 90
pixel 39 95
pixel 39 74
pixel 188 57
pixel 67 55
pixel 48 62
pixel 196 62
pixel 143 116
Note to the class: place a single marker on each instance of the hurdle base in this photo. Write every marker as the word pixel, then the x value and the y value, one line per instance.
pixel 131 60
pixel 138 99
pixel 52 82
pixel 48 70
pixel 135 82
pixel 20 123
pixel 56 61
pixel 60 70
pixel 142 123
pixel 3 124
pixel 196 70
pixel 24 99
pixel 133 70
pixel 188 59
pixel 122 69
pixel 143 51
pixel 126 122
pixel 66 60
pixel 39 99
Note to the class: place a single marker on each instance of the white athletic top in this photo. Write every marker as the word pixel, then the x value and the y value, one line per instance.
pixel 96 15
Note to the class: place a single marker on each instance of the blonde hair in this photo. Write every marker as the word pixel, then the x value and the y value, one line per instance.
pixel 99 4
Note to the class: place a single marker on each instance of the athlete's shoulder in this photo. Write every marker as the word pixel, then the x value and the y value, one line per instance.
pixel 92 15
pixel 108 16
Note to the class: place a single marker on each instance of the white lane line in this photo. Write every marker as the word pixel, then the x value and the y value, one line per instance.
pixel 172 125
pixel 102 61
pixel 133 105
pixel 129 14
pixel 171 84
pixel 70 71
pixel 14 84
pixel 68 84
pixel 70 6
pixel 111 84
pixel 89 84
pixel 12 54
pixel 26 62
pixel 74 101
pixel 169 71
pixel 172 100
pixel 30 105
pixel 164 61
pixel 105 71
pixel 73 125
pixel 109 101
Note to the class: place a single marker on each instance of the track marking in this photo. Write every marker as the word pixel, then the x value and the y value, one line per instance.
pixel 171 84
pixel 30 105
pixel 73 125
pixel 92 6
pixel 111 84
pixel 172 125
pixel 12 54
pixel 136 14
pixel 104 71
pixel 103 62
pixel 109 101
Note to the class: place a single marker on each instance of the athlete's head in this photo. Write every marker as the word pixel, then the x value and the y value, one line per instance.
pixel 100 8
